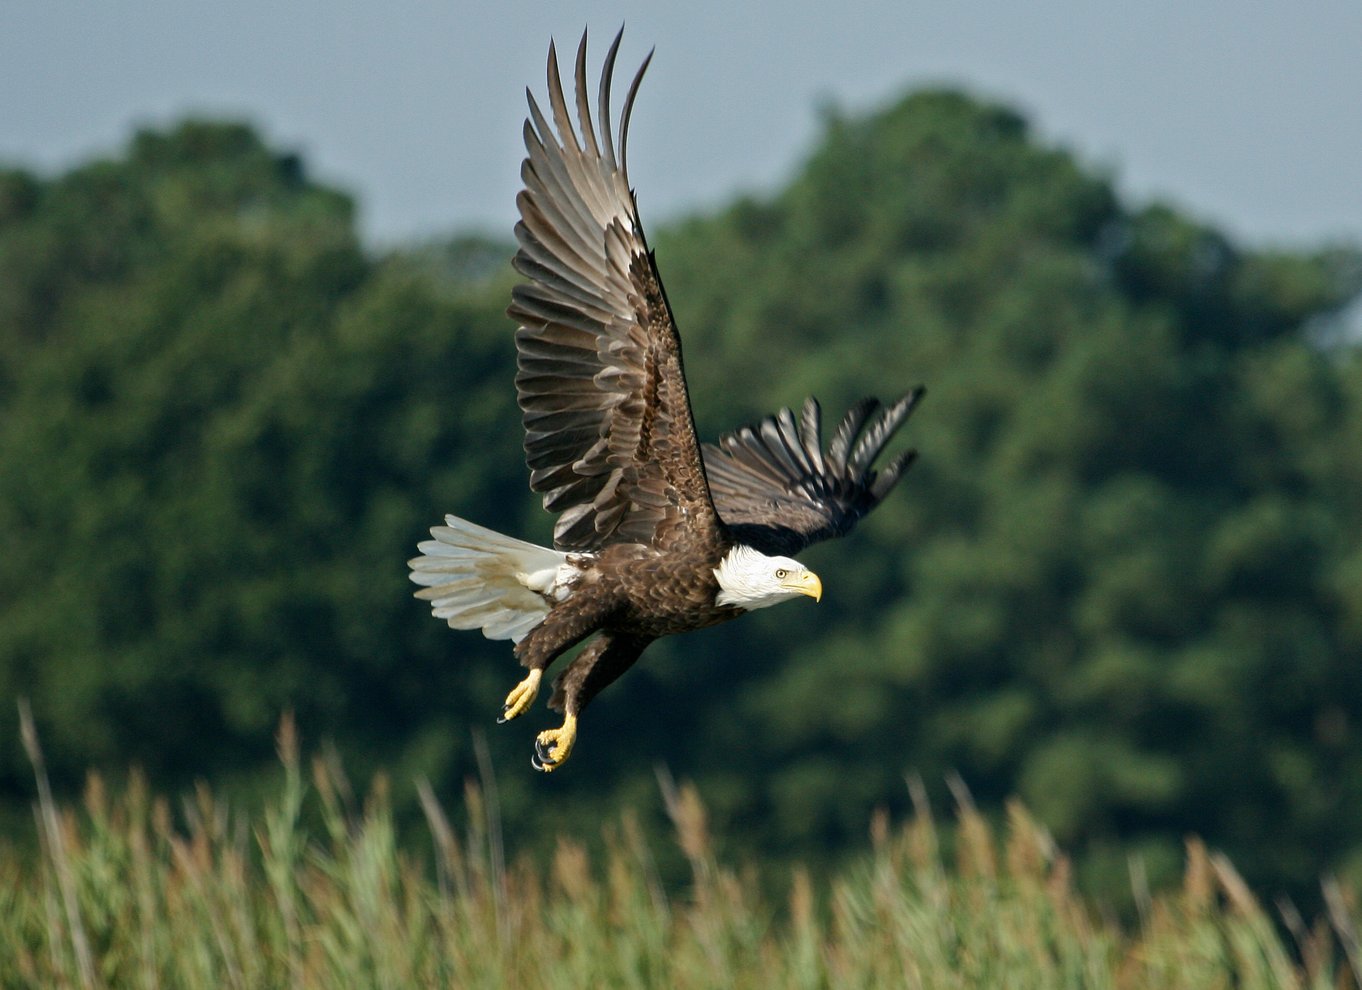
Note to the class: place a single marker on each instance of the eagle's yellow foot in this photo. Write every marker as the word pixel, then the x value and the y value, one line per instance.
pixel 521 697
pixel 553 746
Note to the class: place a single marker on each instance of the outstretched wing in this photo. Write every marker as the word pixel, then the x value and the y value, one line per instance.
pixel 609 436
pixel 778 490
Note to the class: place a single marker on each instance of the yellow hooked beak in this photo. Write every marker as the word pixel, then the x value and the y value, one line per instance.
pixel 806 583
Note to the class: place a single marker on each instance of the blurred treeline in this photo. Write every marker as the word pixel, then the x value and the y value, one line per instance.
pixel 1124 580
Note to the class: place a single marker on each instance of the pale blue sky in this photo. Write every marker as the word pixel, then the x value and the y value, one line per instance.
pixel 1248 114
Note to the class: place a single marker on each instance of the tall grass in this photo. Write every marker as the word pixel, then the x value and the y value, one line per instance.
pixel 127 894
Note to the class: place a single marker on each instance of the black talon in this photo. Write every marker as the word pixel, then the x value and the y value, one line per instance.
pixel 502 719
pixel 542 754
pixel 534 762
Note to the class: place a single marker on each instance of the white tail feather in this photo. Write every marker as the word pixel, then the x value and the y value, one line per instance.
pixel 476 578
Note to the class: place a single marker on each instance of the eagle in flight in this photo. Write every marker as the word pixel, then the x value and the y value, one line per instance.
pixel 656 533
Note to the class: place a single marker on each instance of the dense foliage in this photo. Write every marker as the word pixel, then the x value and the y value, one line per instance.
pixel 1122 581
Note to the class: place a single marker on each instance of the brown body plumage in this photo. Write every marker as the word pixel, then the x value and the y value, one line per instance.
pixel 631 594
pixel 656 535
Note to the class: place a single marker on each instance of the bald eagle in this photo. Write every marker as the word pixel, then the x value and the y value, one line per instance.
pixel 656 534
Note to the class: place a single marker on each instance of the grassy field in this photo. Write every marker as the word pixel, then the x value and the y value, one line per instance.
pixel 126 893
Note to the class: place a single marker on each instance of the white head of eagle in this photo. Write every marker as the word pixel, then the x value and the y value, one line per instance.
pixel 750 579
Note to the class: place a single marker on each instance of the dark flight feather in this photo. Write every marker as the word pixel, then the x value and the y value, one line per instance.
pixel 610 440
pixel 777 490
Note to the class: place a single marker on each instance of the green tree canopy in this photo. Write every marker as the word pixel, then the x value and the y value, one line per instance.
pixel 1122 579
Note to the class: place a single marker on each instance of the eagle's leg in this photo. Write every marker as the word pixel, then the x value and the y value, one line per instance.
pixel 521 696
pixel 563 628
pixel 608 656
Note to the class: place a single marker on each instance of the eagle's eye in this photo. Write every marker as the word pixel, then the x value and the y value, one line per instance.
pixel 782 574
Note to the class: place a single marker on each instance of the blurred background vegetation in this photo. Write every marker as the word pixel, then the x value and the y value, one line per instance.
pixel 1124 580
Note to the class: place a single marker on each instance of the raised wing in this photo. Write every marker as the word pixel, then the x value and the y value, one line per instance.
pixel 609 436
pixel 778 490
